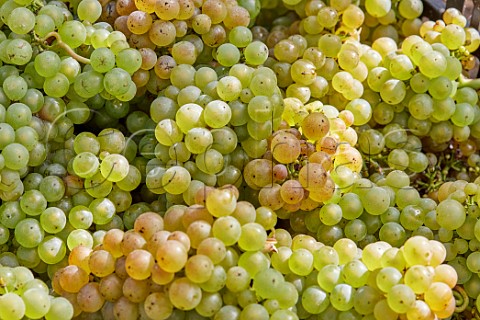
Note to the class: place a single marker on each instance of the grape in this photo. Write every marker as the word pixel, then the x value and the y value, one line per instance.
pixel 29 233
pixel 37 303
pixel 60 308
pixel 53 220
pixel 52 249
pixel 401 298
pixel 342 296
pixel 217 114
pixel 184 294
pixel 450 214
pixel 12 306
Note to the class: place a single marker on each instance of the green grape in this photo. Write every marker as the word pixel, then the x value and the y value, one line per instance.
pixel 266 282
pixel 348 59
pixel 450 214
pixel 375 200
pixel 400 298
pixel 287 295
pixel 129 60
pixel 420 310
pixel 217 114
pixel 418 278
pixel 388 277
pixel 116 81
pixel 198 140
pixel 464 115
pixel 229 88
pixel 90 83
pixel 44 24
pixel 56 86
pixel 356 230
pixel 440 88
pixel 301 262
pixel 47 63
pixel 410 9
pixel 240 36
pixel 73 32
pixel 227 312
pixel 238 279
pixel 102 59
pixel 419 83
pixel 417 250
pixel 189 116
pixel 355 273
pixel 15 87
pixel 99 37
pixel 89 10
pixel 37 302
pixel 453 36
pixel 377 8
pixel 327 17
pixel 227 54
pixel 256 53
pixel 102 210
pixel 51 250
pixel 153 180
pixel 114 167
pixel 382 310
pixel 176 180
pixel 393 233
pixel 252 237
pixel 12 306
pixel 342 296
pixel 19 51
pixel 16 156
pixel 352 17
pixel 79 237
pixel 210 162
pixel 401 67
pixel 60 308
pixel 188 94
pixel 373 252
pixel 80 217
pixel 433 64
pixel 8 135
pixel 4 234
pixel 184 294
pixel 21 20
pixel 393 91
pixel 53 220
pixel 168 132
pixel 86 164
pixel 315 300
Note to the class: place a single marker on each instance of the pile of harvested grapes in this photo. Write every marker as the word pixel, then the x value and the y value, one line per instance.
pixel 238 160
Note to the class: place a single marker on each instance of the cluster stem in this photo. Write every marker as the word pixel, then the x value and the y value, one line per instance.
pixel 66 47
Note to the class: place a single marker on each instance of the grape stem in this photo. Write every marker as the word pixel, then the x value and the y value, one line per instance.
pixel 66 47
pixel 466 82
pixel 461 299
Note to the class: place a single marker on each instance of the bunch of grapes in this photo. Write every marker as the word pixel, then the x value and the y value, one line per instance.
pixel 224 159
pixel 22 295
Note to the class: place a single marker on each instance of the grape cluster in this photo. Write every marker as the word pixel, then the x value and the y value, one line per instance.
pixel 218 261
pixel 307 166
pixel 22 295
pixel 224 159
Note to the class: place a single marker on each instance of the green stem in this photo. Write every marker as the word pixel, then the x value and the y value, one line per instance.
pixel 461 299
pixel 466 82
pixel 67 48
